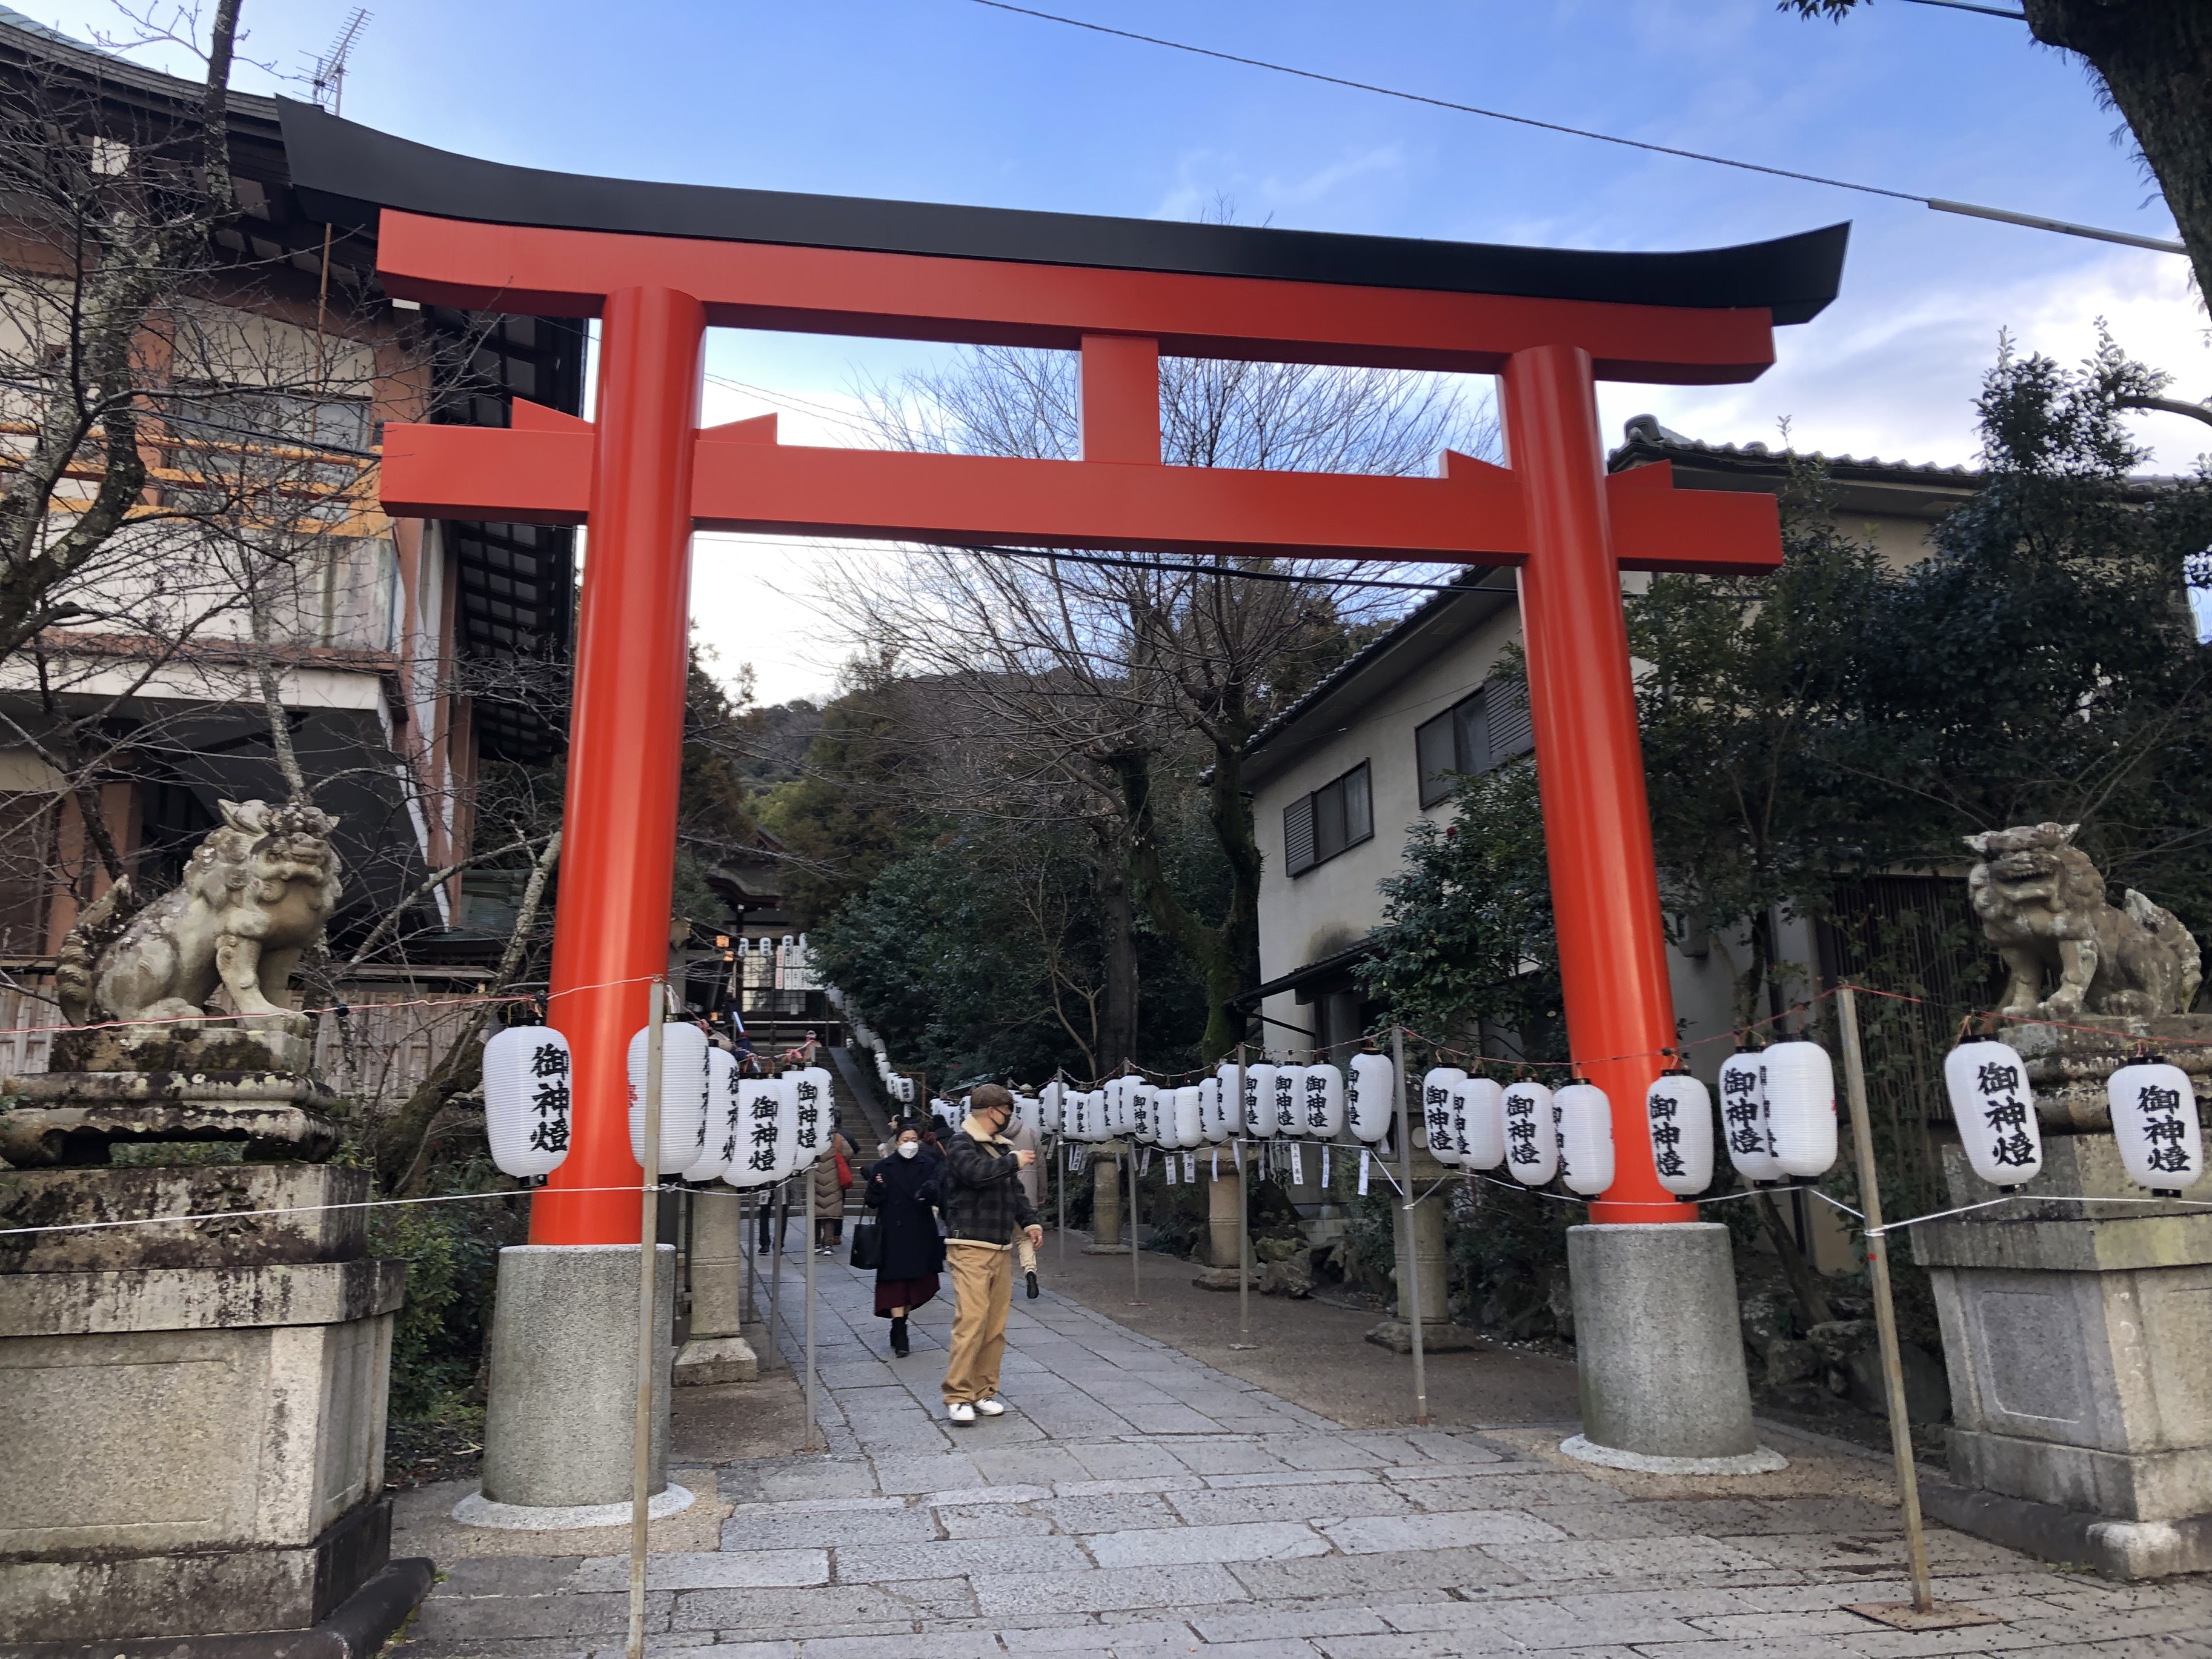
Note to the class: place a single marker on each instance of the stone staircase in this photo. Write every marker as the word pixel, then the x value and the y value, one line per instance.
pixel 860 1108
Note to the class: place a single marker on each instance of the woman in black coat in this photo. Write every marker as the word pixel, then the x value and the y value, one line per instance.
pixel 900 1188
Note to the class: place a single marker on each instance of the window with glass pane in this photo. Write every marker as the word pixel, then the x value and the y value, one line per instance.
pixel 1477 732
pixel 1319 826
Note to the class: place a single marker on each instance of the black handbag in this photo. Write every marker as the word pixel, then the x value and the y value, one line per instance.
pixel 867 1243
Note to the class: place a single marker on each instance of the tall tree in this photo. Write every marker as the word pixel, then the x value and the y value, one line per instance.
pixel 1139 681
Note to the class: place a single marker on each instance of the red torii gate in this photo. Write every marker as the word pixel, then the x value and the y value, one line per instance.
pixel 659 263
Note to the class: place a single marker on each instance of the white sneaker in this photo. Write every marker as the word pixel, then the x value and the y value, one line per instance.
pixel 991 1407
pixel 965 1412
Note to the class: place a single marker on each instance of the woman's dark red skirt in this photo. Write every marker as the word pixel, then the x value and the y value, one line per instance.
pixel 908 1293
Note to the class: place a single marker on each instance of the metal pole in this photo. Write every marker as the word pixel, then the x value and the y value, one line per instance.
pixel 1243 1220
pixel 749 1218
pixel 1406 1203
pixel 649 1241
pixel 1885 1310
pixel 1059 1182
pixel 1136 1282
pixel 811 1225
pixel 779 1213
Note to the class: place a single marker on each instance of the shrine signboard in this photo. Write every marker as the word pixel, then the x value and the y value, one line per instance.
pixel 658 265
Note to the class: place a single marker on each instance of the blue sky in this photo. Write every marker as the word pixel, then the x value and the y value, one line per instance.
pixel 948 101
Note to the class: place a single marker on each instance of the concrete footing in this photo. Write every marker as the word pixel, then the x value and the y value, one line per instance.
pixel 1659 1349
pixel 562 1398
pixel 709 1359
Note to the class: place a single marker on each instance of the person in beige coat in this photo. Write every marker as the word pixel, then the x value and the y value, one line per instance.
pixel 829 1194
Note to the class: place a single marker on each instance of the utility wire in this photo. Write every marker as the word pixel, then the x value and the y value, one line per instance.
pixel 1968 5
pixel 1941 205
pixel 1175 570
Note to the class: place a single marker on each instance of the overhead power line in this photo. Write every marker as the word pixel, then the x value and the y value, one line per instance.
pixel 1968 5
pixel 1941 205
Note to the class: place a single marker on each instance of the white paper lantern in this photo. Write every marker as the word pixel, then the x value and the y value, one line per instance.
pixel 1322 1091
pixel 1478 1122
pixel 720 1142
pixel 527 1078
pixel 1370 1104
pixel 768 1141
pixel 1437 1086
pixel 1289 1117
pixel 1215 1122
pixel 810 1103
pixel 1075 1115
pixel 1743 1116
pixel 1190 1115
pixel 1052 1106
pixel 2154 1120
pixel 1994 1110
pixel 1585 1118
pixel 1260 1100
pixel 1532 1137
pixel 1800 1108
pixel 1680 1113
pixel 683 1095
pixel 1144 1113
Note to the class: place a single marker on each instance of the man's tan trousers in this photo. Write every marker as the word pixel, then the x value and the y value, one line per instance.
pixel 982 1290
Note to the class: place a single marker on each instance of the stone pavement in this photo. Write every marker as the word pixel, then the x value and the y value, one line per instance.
pixel 1137 1504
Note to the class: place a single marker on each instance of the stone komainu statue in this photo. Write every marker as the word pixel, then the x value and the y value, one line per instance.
pixel 2042 903
pixel 255 894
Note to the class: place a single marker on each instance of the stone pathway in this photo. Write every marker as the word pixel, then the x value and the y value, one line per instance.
pixel 1135 1504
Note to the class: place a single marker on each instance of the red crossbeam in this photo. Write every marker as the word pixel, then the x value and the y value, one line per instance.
pixel 540 472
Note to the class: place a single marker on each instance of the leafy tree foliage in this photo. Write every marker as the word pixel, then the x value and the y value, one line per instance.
pixel 981 952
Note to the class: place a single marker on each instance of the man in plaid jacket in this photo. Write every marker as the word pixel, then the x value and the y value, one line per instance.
pixel 980 1193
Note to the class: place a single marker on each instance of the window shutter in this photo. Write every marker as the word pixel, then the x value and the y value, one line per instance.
pixel 1299 835
pixel 1433 753
pixel 1512 732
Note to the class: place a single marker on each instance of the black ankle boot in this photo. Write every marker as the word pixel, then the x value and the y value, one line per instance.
pixel 1031 1277
pixel 898 1338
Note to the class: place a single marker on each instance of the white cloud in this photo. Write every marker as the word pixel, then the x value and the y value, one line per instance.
pixel 1897 377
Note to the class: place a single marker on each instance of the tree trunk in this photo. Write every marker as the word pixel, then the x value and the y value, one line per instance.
pixel 2155 60
pixel 1804 1283
pixel 1117 1023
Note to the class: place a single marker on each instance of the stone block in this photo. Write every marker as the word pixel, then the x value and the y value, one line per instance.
pixel 1659 1348
pixel 192 1447
pixel 2067 1064
pixel 73 1118
pixel 563 1394
pixel 238 1202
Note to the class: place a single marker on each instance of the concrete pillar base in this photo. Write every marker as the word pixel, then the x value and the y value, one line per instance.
pixel 1660 1350
pixel 1420 1233
pixel 477 1510
pixel 709 1359
pixel 561 1405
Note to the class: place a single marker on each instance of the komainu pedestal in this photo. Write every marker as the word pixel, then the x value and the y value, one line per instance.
pixel 192 1412
pixel 2079 1335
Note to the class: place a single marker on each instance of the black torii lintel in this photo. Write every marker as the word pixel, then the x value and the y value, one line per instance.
pixel 344 171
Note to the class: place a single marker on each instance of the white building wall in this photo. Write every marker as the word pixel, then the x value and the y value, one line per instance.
pixel 1333 906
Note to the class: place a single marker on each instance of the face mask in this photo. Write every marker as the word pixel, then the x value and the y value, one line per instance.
pixel 908 1148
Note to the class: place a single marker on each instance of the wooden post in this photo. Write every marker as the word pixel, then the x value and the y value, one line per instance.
pixel 1406 1207
pixel 1885 1310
